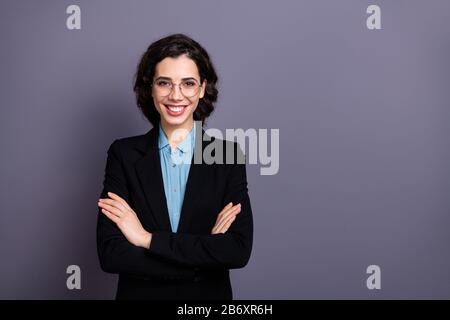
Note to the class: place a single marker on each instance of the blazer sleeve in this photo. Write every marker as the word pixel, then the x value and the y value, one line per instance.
pixel 115 252
pixel 230 250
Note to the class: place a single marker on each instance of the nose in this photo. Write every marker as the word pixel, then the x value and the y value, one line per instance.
pixel 176 94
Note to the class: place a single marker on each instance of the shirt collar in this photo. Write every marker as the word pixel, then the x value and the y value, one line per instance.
pixel 185 146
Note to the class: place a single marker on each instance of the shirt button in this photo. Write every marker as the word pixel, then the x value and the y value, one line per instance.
pixel 174 190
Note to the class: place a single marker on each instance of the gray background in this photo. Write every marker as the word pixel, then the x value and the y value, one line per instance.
pixel 364 138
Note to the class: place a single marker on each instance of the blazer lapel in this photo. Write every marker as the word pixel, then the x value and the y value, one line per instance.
pixel 197 172
pixel 148 170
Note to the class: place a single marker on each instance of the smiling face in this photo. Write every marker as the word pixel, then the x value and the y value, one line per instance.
pixel 175 109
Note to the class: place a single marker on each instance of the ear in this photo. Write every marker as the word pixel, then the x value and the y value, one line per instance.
pixel 202 92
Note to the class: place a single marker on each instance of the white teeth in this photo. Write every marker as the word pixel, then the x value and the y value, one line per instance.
pixel 175 109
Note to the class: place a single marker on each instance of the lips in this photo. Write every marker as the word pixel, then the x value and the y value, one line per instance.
pixel 175 110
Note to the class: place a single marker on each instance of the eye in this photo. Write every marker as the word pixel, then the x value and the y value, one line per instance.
pixel 189 83
pixel 163 83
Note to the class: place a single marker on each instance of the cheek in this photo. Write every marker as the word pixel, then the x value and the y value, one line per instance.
pixel 157 106
pixel 157 103
pixel 195 106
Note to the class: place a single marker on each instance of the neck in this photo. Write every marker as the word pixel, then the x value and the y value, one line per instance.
pixel 180 135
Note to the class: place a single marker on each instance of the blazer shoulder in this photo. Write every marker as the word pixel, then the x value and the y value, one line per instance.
pixel 131 140
pixel 125 144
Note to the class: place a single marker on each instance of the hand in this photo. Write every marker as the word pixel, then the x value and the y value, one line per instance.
pixel 226 218
pixel 118 210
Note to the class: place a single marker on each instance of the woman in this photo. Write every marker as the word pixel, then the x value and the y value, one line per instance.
pixel 169 223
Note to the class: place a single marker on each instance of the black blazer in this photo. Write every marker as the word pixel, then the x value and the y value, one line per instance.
pixel 191 263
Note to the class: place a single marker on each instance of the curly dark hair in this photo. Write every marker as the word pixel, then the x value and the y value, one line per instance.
pixel 174 46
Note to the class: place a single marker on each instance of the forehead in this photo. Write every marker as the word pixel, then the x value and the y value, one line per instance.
pixel 177 68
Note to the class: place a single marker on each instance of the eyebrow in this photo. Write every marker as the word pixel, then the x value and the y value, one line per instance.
pixel 168 78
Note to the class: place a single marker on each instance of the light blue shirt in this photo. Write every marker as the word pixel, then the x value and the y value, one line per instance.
pixel 175 165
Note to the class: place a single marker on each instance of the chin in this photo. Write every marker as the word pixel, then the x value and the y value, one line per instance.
pixel 175 122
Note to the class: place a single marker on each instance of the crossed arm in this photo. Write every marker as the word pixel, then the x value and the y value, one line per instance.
pixel 119 212
pixel 124 246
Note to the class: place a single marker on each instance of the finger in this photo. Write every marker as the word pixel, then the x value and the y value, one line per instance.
pixel 219 227
pixel 230 211
pixel 111 216
pixel 117 200
pixel 114 203
pixel 221 220
pixel 227 224
pixel 227 211
pixel 226 218
pixel 228 206
pixel 229 214
pixel 116 197
pixel 111 209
